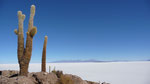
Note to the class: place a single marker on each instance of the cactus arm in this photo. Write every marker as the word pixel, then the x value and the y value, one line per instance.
pixel 21 18
pixel 33 31
pixel 19 32
pixel 32 13
pixel 16 31
pixel 28 49
pixel 44 55
pixel 27 56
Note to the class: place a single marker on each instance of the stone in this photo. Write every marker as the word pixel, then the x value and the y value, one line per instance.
pixel 45 78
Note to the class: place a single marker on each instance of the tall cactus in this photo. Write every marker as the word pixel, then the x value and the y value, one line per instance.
pixel 44 55
pixel 24 54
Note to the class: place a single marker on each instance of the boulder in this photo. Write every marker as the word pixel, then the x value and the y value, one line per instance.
pixel 8 73
pixel 3 79
pixel 16 80
pixel 75 79
pixel 11 77
pixel 45 78
pixel 90 82
pixel 105 83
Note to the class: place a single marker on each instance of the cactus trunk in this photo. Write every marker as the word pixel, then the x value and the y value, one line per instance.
pixel 24 54
pixel 44 55
pixel 23 69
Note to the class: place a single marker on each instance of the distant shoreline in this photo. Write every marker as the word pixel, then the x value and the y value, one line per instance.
pixel 94 61
pixel 83 62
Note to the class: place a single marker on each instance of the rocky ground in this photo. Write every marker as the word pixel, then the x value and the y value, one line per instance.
pixel 55 77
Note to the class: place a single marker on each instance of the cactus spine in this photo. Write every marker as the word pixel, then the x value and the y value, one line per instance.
pixel 44 55
pixel 24 54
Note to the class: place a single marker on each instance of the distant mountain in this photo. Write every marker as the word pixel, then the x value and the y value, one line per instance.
pixel 78 61
pixel 148 60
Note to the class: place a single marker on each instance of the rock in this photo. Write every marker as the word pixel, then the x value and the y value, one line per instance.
pixel 90 82
pixel 76 79
pixel 16 80
pixel 20 80
pixel 3 79
pixel 105 83
pixel 8 73
pixel 7 77
pixel 45 78
pixel 11 77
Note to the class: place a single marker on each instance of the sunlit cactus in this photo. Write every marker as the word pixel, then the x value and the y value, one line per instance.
pixel 44 55
pixel 33 31
pixel 16 31
pixel 24 53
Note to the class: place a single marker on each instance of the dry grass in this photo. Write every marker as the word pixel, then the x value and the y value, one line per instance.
pixel 62 78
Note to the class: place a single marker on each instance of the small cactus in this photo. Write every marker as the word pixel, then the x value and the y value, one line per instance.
pixel 44 55
pixel 49 69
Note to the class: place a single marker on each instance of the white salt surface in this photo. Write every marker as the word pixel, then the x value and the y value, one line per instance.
pixel 111 72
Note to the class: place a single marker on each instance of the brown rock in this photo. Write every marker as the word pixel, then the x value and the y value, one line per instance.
pixel 90 82
pixel 11 77
pixel 3 79
pixel 16 80
pixel 105 83
pixel 6 77
pixel 45 78
pixel 8 73
pixel 76 79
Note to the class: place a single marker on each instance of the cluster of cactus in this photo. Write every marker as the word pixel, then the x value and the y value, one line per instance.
pixel 24 53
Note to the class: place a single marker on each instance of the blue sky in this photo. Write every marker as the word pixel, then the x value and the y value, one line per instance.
pixel 79 29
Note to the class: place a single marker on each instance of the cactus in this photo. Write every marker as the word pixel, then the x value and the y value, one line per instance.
pixel 44 55
pixel 49 69
pixel 24 54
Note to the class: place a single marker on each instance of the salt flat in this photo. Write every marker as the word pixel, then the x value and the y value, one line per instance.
pixel 112 72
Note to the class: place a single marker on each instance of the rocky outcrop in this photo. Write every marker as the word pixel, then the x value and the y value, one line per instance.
pixel 90 82
pixel 8 73
pixel 16 80
pixel 45 78
pixel 75 79
pixel 12 77
pixel 105 83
